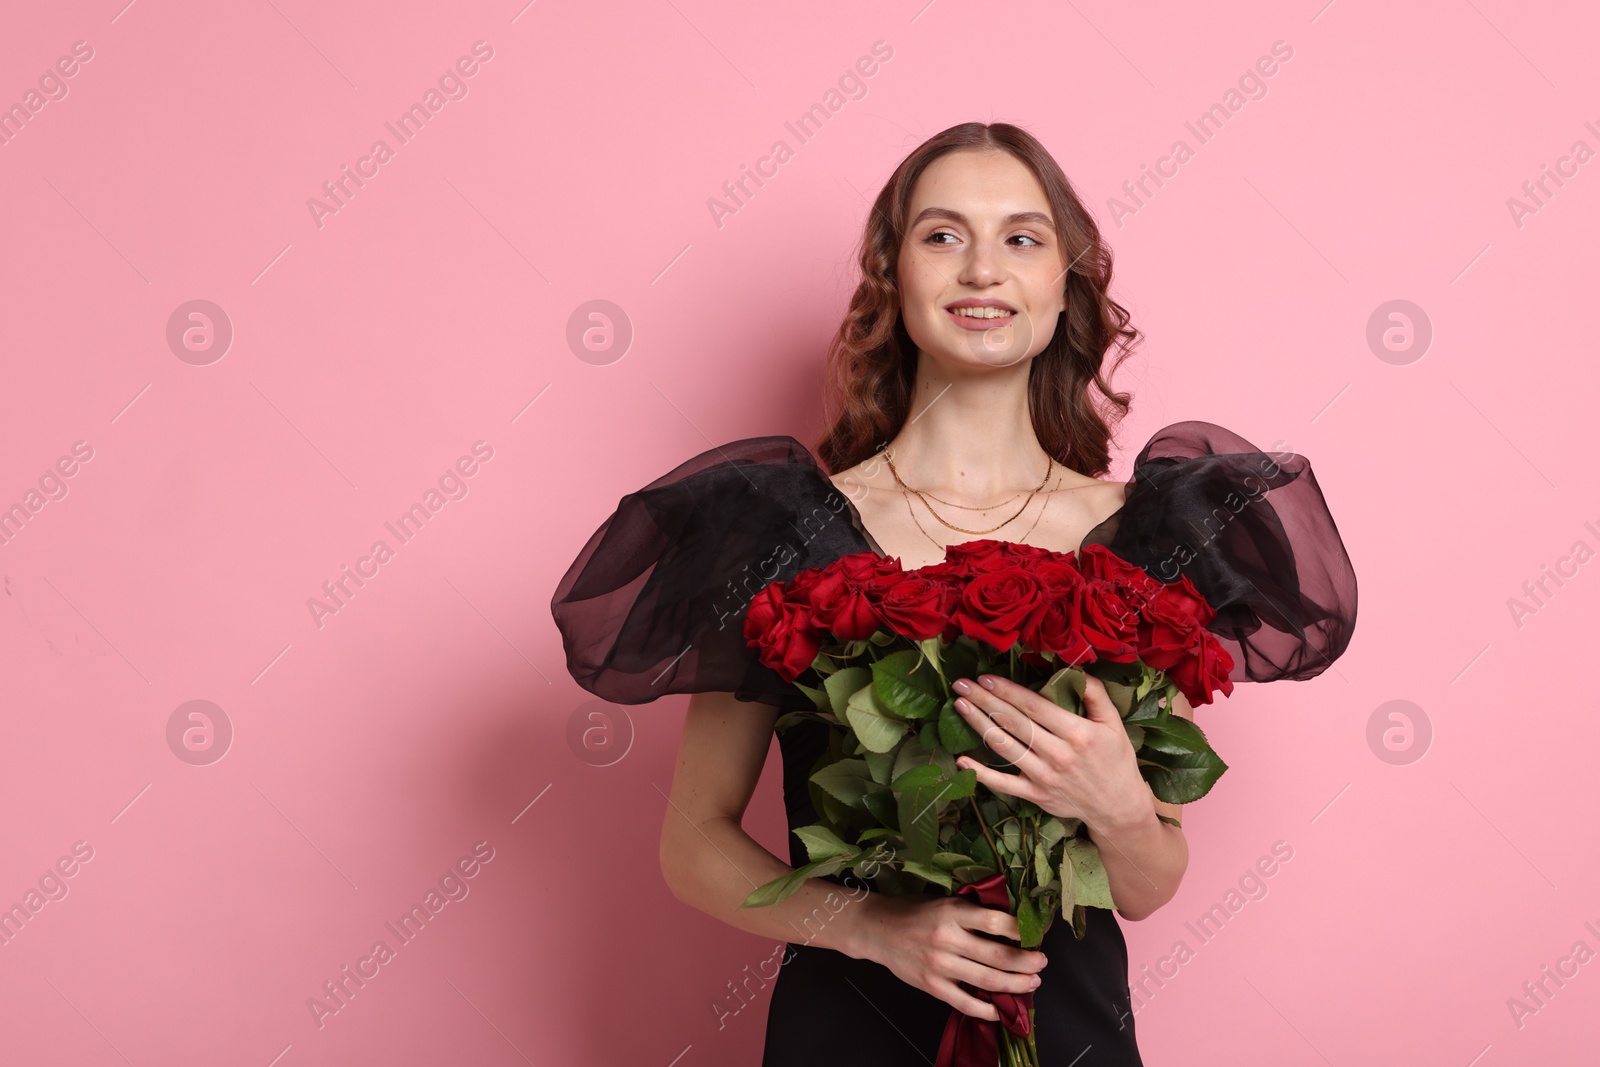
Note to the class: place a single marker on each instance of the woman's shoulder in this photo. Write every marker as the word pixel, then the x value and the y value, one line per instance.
pixel 1253 532
pixel 770 453
pixel 654 601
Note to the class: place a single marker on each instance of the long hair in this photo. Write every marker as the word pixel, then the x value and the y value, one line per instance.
pixel 872 361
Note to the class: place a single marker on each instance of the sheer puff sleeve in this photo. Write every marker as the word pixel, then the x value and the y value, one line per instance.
pixel 1253 533
pixel 654 604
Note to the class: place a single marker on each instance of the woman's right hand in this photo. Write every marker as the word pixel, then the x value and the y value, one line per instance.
pixel 933 942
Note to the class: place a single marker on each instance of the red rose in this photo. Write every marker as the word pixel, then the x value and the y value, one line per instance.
pixel 1205 670
pixel 782 631
pixel 980 557
pixel 1182 595
pixel 1132 583
pixel 842 595
pixel 1056 628
pixel 870 572
pixel 1173 638
pixel 995 605
pixel 944 571
pixel 1107 622
pixel 918 607
pixel 798 588
pixel 1019 553
pixel 1058 575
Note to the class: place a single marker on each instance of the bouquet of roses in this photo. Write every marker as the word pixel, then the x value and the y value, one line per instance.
pixel 886 643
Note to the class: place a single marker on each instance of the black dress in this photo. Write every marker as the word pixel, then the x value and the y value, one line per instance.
pixel 654 605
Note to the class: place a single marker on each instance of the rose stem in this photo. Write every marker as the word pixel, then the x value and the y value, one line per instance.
pixel 973 800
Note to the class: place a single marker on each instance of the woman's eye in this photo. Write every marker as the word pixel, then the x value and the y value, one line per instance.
pixel 933 238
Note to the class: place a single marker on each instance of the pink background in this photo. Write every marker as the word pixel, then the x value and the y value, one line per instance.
pixel 431 311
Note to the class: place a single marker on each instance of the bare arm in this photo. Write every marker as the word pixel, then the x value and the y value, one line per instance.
pixel 710 863
pixel 1145 860
pixel 708 860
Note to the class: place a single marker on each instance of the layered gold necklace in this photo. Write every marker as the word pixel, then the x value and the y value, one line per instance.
pixel 907 491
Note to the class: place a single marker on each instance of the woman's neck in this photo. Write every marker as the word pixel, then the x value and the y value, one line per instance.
pixel 971 438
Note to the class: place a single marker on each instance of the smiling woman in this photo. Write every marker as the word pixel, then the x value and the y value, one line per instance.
pixel 968 399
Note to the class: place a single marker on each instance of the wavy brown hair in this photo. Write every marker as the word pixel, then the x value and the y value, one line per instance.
pixel 872 362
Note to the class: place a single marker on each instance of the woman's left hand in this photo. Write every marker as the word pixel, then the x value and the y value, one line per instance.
pixel 1072 766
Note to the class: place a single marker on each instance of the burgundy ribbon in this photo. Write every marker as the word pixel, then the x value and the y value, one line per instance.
pixel 972 1042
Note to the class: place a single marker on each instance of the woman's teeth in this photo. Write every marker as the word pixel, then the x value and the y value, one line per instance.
pixel 982 313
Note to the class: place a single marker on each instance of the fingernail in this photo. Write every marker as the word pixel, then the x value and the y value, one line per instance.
pixel 986 682
pixel 961 685
pixel 1035 983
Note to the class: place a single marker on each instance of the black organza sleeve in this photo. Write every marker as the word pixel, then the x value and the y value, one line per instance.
pixel 1253 533
pixel 655 602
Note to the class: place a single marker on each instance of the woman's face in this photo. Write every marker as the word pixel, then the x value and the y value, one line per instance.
pixel 980 232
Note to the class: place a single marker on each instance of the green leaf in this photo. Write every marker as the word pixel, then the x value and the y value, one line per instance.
pixel 959 659
pixel 919 811
pixel 876 730
pixel 921 775
pixel 957 786
pixel 931 874
pixel 847 780
pixel 1041 863
pixel 975 873
pixel 1052 830
pixel 842 685
pixel 822 843
pixel 984 854
pixel 961 785
pixel 930 650
pixel 832 810
pixel 883 806
pixel 907 685
pixel 1135 734
pixel 1148 708
pixel 1090 886
pixel 1122 696
pixel 792 718
pixel 881 766
pixel 782 888
pixel 1130 673
pixel 1029 922
pixel 1065 688
pixel 912 753
pixel 954 734
pixel 1177 761
pixel 949 861
pixel 1069 878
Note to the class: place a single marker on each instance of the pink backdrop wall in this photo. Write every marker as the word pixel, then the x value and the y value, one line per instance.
pixel 413 335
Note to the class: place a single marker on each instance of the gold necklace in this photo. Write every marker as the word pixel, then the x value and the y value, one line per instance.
pixel 937 545
pixel 889 458
pixel 904 488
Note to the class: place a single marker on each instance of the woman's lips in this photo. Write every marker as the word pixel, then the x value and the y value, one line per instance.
pixel 967 322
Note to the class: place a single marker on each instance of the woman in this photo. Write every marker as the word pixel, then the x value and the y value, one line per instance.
pixel 961 383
